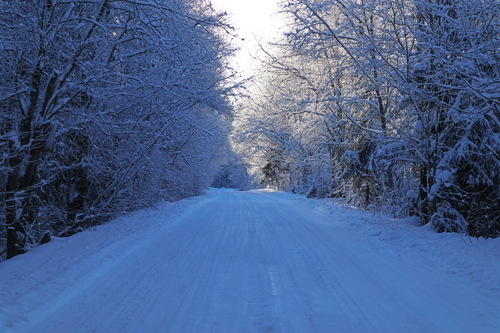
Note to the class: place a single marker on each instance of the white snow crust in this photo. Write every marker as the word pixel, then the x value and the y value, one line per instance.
pixel 257 261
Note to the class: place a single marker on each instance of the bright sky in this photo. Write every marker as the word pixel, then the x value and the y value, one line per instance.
pixel 254 20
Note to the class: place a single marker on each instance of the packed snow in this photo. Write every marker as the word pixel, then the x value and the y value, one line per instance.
pixel 256 261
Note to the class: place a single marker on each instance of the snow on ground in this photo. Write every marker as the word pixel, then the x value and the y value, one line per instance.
pixel 477 261
pixel 254 261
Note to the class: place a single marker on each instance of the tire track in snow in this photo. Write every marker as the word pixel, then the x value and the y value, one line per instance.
pixel 252 262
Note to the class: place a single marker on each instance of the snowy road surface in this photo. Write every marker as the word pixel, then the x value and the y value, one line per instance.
pixel 234 262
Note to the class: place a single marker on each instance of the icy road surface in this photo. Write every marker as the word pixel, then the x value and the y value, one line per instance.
pixel 233 262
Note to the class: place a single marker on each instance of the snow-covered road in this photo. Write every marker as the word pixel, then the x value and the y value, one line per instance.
pixel 234 262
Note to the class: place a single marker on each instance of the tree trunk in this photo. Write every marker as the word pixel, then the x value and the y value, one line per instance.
pixel 423 202
pixel 11 189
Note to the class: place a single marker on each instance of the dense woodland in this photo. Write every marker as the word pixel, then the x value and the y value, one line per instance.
pixel 392 105
pixel 108 106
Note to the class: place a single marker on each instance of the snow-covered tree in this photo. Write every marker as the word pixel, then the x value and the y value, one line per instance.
pixel 398 98
pixel 341 66
pixel 456 91
pixel 100 102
